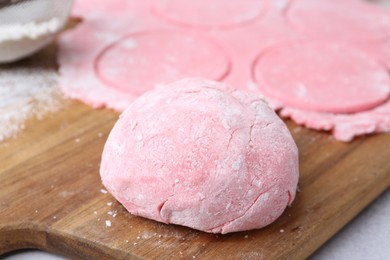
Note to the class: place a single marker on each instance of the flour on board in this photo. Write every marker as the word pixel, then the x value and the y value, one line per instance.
pixel 25 93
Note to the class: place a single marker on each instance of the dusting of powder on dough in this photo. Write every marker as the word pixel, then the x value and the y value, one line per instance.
pixel 209 177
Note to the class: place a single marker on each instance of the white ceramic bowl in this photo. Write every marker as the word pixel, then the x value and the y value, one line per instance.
pixel 28 26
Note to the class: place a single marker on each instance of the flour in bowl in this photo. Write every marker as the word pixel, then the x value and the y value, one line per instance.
pixel 28 26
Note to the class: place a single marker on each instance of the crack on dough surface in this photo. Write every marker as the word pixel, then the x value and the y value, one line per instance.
pixel 231 136
pixel 221 227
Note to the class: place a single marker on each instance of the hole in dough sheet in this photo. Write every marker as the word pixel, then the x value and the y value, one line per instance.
pixel 139 62
pixel 322 77
pixel 347 20
pixel 209 14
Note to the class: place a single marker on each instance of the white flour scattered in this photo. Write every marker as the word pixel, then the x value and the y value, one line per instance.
pixel 147 235
pixel 250 255
pixel 26 93
pixel 108 223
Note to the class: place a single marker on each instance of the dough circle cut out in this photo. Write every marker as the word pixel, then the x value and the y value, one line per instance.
pixel 210 14
pixel 235 169
pixel 141 61
pixel 322 77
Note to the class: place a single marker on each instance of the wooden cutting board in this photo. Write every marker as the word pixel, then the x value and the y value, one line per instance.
pixel 51 199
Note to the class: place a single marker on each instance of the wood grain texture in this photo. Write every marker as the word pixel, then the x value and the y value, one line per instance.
pixel 50 195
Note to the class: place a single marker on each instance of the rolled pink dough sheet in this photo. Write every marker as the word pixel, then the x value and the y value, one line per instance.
pixel 235 169
pixel 100 56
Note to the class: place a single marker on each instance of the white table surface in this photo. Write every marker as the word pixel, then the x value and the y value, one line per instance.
pixel 367 237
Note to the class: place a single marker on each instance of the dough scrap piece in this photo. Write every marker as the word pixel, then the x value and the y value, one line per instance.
pixel 200 154
pixel 210 14
pixel 346 20
pixel 139 62
pixel 322 77
pixel 344 127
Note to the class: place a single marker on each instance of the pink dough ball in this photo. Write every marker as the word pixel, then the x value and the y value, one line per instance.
pixel 201 154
